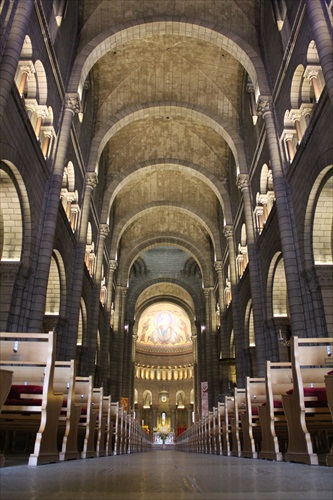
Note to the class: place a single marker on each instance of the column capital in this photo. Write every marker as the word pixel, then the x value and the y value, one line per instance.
pixel 218 266
pixel 27 67
pixel 42 111
pixel 113 264
pixel 48 132
pixel 228 231
pixel 243 181
pixel 311 72
pixel 72 102
pixel 264 105
pixel 91 179
pixel 249 87
pixel 104 230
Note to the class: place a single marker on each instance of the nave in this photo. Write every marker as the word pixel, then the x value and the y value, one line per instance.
pixel 167 475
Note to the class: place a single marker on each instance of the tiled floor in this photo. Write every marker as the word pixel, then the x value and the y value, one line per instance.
pixel 167 475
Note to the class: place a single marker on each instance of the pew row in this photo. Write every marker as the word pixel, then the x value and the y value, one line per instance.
pixel 306 408
pixel 278 381
pixel 32 404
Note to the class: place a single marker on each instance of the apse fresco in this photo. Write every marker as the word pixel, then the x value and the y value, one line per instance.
pixel 164 325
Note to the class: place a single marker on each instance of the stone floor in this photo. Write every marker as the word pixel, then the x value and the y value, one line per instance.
pixel 166 475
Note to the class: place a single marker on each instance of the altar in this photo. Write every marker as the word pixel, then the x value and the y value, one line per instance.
pixel 157 439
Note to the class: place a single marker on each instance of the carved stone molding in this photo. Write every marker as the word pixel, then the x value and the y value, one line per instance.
pixel 72 102
pixel 104 230
pixel 91 179
pixel 264 105
pixel 243 181
pixel 228 231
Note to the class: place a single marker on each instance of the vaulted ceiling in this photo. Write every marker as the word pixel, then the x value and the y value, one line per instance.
pixel 167 79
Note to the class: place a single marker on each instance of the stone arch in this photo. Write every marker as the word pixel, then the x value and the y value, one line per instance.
pixel 228 41
pixel 249 324
pixel 121 227
pixel 188 246
pixel 296 87
pixel 11 218
pixel 147 398
pixel 41 83
pixel 314 217
pixel 197 171
pixel 322 234
pixel 279 290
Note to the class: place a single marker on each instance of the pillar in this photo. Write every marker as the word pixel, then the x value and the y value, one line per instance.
pixel 93 321
pixel 224 343
pixel 12 52
pixel 50 209
pixel 236 310
pixel 68 342
pixel 262 349
pixel 298 303
pixel 107 326
pixel 322 34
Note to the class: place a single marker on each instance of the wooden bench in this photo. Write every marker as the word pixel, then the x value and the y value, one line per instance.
pixel 32 404
pixel 220 417
pixel 228 414
pixel 329 392
pixel 251 430
pixel 115 426
pixel 306 407
pixel 108 425
pixel 64 381
pixel 88 417
pixel 100 428
pixel 236 426
pixel 278 381
pixel 6 377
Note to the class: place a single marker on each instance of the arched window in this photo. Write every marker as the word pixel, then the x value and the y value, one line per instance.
pixel 90 252
pixel 69 196
pixel 11 225
pixel 242 257
pixel 265 198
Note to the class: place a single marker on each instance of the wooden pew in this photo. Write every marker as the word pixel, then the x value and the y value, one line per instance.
pixel 329 392
pixel 88 417
pixel 100 427
pixel 6 377
pixel 108 425
pixel 229 405
pixel 278 380
pixel 220 418
pixel 306 410
pixel 255 396
pixel 32 404
pixel 236 425
pixel 64 381
pixel 115 426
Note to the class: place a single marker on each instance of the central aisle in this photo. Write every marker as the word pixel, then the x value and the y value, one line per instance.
pixel 167 475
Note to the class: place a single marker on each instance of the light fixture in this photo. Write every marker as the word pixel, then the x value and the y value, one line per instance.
pixel 282 340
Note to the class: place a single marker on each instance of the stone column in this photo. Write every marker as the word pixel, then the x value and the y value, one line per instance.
pixel 224 343
pixel 107 325
pixel 288 233
pixel 93 321
pixel 262 350
pixel 196 376
pixel 27 69
pixel 117 351
pixel 311 73
pixel 173 420
pixel 68 344
pixel 12 52
pixel 322 34
pixel 211 347
pixel 50 211
pixel 236 309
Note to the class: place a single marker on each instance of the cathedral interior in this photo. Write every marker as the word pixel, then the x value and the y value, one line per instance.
pixel 166 173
